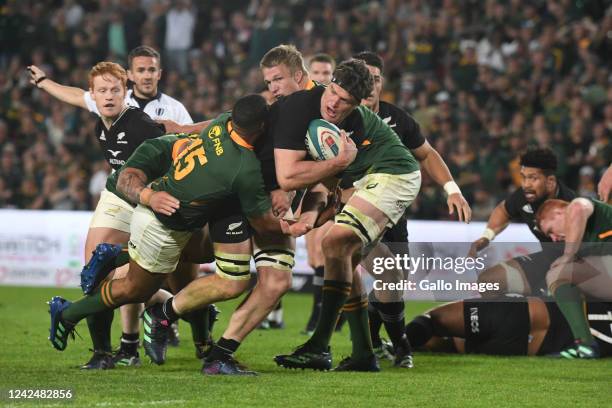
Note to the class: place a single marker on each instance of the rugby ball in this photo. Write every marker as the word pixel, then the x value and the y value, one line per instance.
pixel 322 139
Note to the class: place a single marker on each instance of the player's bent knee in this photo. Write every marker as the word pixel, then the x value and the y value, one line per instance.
pixel 340 242
pixel 274 282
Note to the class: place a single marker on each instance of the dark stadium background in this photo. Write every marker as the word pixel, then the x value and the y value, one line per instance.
pixel 485 80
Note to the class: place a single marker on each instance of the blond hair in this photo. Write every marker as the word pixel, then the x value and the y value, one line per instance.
pixel 285 54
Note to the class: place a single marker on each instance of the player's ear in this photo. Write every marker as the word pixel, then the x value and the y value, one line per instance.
pixel 159 74
pixel 130 75
pixel 298 76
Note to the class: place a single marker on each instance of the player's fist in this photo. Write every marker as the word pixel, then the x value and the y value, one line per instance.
pixel 478 245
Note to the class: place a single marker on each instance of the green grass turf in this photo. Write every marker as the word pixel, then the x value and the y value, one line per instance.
pixel 27 360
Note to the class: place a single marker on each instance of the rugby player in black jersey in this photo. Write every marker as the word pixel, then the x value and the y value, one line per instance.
pixel 525 274
pixel 387 306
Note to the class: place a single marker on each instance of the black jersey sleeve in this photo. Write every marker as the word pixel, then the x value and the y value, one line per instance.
pixel 514 202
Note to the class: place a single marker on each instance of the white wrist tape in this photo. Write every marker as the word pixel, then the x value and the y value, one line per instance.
pixel 451 188
pixel 489 234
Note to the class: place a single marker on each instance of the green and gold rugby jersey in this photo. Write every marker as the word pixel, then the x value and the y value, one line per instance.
pixel 597 239
pixel 379 148
pixel 217 169
pixel 154 157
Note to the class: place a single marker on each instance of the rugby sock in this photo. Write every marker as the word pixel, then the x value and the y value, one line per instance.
pixel 375 321
pixel 317 283
pixel 99 325
pixel 569 300
pixel 198 320
pixel 356 312
pixel 419 330
pixel 223 349
pixel 168 311
pixel 129 343
pixel 333 296
pixel 392 315
pixel 98 301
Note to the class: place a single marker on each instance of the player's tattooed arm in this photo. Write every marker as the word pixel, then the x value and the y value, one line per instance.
pixel 132 183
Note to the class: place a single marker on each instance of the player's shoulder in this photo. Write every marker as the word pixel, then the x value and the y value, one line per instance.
pixel 139 120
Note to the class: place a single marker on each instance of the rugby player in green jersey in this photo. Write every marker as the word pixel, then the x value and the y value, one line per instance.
pixel 585 266
pixel 386 178
pixel 215 177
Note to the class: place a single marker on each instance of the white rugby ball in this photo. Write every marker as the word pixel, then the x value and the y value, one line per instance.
pixel 322 139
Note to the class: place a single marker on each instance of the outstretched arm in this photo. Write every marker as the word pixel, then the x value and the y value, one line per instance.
pixel 69 94
pixel 173 127
pixel 434 165
pixel 498 221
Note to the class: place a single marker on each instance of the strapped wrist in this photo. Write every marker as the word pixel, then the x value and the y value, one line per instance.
pixel 451 188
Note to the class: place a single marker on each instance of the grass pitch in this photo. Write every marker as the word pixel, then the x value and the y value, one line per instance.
pixel 28 361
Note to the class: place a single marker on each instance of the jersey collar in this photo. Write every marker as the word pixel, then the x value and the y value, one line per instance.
pixel 236 137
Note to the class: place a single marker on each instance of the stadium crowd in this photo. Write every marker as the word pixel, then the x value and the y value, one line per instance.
pixel 484 79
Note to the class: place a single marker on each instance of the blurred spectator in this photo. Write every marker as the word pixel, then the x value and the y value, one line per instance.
pixel 485 80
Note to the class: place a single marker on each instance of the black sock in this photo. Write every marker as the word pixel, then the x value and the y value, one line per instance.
pixel 198 319
pixel 223 349
pixel 168 311
pixel 392 315
pixel 419 330
pixel 317 292
pixel 375 323
pixel 130 342
pixel 99 325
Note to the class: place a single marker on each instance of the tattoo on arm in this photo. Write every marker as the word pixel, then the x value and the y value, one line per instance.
pixel 131 182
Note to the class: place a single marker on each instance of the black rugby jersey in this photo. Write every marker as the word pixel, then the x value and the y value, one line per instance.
pixel 521 211
pixel 126 133
pixel 402 123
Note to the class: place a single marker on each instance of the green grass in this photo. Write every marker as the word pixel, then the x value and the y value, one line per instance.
pixel 27 360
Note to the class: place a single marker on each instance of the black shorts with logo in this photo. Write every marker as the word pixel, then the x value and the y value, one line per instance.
pixel 229 226
pixel 497 328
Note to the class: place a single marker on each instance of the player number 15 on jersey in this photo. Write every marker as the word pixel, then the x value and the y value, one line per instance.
pixel 186 160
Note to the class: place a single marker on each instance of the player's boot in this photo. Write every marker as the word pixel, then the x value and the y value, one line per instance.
pixel 385 351
pixel 155 339
pixel 124 359
pixel 59 329
pixel 101 360
pixel 99 266
pixel 227 366
pixel 403 356
pixel 305 356
pixel 581 351
pixel 173 335
pixel 368 364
